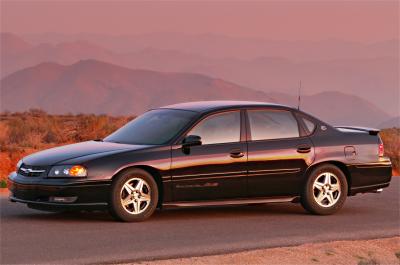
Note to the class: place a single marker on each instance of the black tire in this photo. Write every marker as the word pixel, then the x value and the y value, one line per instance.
pixel 118 211
pixel 309 197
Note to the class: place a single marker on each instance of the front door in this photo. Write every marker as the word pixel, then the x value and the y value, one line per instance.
pixel 216 169
pixel 277 155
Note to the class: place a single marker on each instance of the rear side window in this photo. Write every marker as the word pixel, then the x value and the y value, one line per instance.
pixel 309 125
pixel 272 124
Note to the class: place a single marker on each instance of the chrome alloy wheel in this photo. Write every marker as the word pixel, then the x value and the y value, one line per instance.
pixel 135 195
pixel 326 189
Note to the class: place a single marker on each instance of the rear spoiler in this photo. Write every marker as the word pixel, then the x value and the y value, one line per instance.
pixel 371 131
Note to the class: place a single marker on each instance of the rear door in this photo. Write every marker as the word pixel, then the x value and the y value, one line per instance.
pixel 278 154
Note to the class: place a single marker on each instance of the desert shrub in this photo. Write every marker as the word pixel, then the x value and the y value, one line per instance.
pixel 56 131
pixel 391 141
pixel 4 135
pixel 36 112
pixel 8 162
pixel 27 132
pixel 3 183
pixel 93 127
pixel 17 131
pixel 50 137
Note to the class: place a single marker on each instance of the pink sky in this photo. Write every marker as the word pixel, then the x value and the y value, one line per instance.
pixel 288 20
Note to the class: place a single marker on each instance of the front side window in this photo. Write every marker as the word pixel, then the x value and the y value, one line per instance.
pixel 272 124
pixel 219 128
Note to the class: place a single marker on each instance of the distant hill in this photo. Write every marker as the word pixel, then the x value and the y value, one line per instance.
pixel 17 54
pixel 390 123
pixel 337 108
pixel 91 86
pixel 13 44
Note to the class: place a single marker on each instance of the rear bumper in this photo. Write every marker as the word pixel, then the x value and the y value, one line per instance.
pixel 370 188
pixel 60 194
pixel 370 177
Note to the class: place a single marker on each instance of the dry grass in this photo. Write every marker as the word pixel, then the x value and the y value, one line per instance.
pixel 24 133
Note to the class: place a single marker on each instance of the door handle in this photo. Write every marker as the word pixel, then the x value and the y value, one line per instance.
pixel 303 149
pixel 236 153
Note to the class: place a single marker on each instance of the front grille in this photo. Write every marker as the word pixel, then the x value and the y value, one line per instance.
pixel 32 171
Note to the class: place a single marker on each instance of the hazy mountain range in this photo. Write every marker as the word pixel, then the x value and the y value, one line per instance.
pixel 91 86
pixel 74 73
pixel 369 71
pixel 220 46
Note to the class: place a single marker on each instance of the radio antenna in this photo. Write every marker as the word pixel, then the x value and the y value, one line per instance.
pixel 299 98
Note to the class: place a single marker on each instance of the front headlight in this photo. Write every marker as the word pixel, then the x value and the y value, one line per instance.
pixel 68 171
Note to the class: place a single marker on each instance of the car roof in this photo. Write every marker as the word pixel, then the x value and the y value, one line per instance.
pixel 206 106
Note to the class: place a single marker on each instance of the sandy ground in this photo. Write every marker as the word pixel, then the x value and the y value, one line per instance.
pixel 363 252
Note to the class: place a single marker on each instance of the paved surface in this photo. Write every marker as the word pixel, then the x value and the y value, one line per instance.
pixel 29 236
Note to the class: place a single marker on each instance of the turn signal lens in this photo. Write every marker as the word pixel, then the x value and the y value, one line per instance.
pixel 77 171
pixel 381 150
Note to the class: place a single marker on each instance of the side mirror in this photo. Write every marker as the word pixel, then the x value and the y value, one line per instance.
pixel 191 140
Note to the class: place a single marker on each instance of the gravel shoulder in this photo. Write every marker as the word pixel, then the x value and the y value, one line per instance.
pixel 360 252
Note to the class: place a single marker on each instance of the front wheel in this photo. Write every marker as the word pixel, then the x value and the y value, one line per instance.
pixel 325 191
pixel 134 196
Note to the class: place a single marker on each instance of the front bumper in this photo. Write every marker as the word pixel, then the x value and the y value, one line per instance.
pixel 54 194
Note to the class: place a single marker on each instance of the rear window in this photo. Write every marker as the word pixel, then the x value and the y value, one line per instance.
pixel 272 124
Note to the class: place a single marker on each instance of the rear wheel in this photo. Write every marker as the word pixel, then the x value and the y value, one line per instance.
pixel 325 191
pixel 134 196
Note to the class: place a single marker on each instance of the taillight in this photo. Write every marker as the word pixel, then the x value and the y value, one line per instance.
pixel 381 150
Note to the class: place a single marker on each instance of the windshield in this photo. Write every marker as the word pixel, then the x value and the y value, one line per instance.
pixel 154 127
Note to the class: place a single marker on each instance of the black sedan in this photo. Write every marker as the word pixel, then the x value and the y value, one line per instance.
pixel 207 153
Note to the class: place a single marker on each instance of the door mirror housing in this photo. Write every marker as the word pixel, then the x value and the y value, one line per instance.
pixel 191 140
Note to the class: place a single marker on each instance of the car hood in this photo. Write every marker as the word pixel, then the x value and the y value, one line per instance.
pixel 56 155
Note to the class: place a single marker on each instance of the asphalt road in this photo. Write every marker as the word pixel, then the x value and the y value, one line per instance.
pixel 29 236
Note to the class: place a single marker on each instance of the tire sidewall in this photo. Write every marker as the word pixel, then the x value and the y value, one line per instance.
pixel 116 207
pixel 308 197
